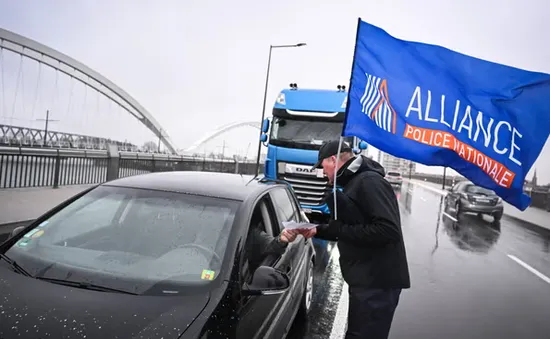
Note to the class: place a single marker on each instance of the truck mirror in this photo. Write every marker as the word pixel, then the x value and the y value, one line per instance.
pixel 263 138
pixel 363 145
pixel 265 126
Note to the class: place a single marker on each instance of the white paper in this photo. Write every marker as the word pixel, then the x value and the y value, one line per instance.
pixel 292 225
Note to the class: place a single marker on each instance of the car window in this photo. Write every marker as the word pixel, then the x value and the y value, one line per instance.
pixel 456 187
pixel 478 190
pixel 284 205
pixel 90 213
pixel 394 174
pixel 131 239
pixel 258 235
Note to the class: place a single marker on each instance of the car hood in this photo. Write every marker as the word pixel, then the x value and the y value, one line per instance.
pixel 31 308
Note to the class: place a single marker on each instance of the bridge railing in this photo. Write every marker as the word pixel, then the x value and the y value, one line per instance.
pixel 37 167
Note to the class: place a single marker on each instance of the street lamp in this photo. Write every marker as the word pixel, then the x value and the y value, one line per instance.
pixel 271 47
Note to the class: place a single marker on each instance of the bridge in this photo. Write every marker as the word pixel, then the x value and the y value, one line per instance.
pixel 19 129
pixel 84 87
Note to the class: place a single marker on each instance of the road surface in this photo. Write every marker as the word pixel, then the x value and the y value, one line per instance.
pixel 472 279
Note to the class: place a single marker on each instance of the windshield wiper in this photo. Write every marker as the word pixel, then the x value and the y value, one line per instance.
pixel 84 285
pixel 14 265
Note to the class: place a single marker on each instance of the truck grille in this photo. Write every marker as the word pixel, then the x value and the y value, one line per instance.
pixel 309 190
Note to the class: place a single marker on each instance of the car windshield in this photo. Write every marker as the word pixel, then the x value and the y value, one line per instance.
pixel 135 240
pixel 394 174
pixel 305 131
pixel 479 190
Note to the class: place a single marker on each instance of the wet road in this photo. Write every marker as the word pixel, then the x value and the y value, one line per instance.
pixel 470 279
pixel 473 279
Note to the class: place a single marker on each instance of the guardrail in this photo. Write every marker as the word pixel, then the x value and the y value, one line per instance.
pixel 34 167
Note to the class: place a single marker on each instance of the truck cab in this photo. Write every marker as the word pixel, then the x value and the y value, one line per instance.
pixel 302 120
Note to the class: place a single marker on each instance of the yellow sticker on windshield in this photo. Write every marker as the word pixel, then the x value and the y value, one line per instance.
pixel 207 275
pixel 37 234
pixel 31 233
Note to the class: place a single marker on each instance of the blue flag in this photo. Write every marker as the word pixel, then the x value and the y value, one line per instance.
pixel 438 107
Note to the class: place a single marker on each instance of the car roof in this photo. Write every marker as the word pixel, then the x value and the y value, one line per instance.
pixel 214 184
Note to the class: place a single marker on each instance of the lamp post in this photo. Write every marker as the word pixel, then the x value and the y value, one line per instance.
pixel 47 121
pixel 271 47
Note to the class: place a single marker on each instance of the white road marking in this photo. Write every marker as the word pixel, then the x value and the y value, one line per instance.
pixel 341 318
pixel 449 216
pixel 530 269
pixel 333 253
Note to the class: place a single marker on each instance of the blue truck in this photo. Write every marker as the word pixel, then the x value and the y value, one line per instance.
pixel 302 120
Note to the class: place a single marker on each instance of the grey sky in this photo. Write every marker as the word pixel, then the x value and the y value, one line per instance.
pixel 200 64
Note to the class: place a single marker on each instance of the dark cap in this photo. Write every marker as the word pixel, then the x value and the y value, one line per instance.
pixel 329 149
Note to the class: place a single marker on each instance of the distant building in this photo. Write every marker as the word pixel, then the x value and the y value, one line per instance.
pixel 392 163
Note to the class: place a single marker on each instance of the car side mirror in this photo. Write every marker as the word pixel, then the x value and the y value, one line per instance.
pixel 16 231
pixel 267 281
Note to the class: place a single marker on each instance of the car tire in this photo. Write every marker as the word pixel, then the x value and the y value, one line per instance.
pixel 307 298
pixel 497 216
pixel 457 210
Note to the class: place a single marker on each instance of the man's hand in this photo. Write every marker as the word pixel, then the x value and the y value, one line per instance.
pixel 288 235
pixel 308 232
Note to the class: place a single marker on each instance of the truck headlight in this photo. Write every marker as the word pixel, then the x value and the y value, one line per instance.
pixel 281 167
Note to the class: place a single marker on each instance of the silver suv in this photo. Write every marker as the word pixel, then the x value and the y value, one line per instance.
pixel 394 178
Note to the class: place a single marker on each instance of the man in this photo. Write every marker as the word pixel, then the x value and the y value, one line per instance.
pixel 368 231
pixel 260 245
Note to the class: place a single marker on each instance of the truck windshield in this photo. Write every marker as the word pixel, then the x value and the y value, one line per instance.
pixel 304 131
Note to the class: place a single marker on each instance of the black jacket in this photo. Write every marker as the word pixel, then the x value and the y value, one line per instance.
pixel 368 227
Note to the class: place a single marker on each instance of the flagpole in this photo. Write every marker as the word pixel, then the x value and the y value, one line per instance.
pixel 345 121
pixel 335 176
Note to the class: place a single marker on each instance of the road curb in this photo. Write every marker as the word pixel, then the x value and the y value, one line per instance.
pixel 529 224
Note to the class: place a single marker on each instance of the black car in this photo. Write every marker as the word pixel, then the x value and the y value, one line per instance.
pixel 466 197
pixel 161 255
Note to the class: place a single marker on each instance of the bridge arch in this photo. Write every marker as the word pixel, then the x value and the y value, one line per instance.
pixel 221 130
pixel 65 64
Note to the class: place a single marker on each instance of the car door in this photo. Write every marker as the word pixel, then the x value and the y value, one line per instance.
pixel 257 314
pixel 294 261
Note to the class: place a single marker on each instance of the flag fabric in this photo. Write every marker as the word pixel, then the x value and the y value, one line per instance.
pixel 437 107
